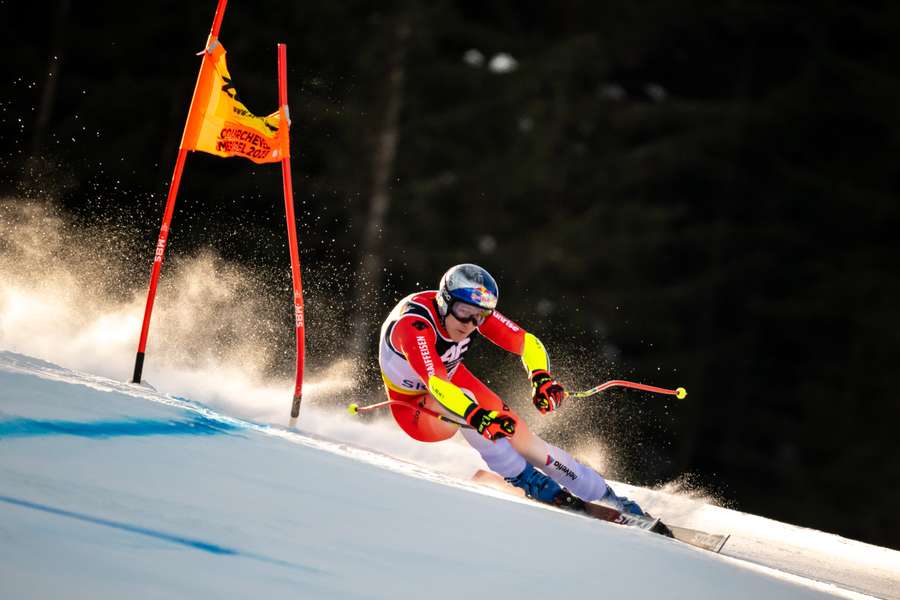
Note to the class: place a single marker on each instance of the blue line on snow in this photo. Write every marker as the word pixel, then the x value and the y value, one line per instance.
pixel 176 539
pixel 197 425
pixel 212 548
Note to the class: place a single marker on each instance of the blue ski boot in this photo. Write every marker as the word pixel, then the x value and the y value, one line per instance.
pixel 621 503
pixel 536 484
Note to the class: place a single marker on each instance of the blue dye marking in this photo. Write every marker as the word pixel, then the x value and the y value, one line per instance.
pixel 160 535
pixel 206 547
pixel 197 425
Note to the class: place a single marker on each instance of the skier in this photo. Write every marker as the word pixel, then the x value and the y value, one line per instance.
pixel 421 351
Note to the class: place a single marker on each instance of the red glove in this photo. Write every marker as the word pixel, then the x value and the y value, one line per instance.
pixel 491 424
pixel 548 394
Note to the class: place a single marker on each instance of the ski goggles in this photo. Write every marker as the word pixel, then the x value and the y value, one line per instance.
pixel 466 313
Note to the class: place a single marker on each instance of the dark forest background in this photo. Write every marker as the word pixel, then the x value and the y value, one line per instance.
pixel 681 193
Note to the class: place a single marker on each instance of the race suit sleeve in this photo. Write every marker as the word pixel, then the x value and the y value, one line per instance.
pixel 512 338
pixel 415 338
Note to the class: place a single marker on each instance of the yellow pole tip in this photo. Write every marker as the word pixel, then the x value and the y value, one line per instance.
pixel 353 409
pixel 681 393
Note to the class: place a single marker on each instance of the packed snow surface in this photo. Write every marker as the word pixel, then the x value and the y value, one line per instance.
pixel 113 490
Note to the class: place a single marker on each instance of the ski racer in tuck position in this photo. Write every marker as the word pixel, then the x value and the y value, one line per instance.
pixel 421 353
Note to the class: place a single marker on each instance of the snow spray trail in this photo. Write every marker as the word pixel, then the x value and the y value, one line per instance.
pixel 71 296
pixel 220 334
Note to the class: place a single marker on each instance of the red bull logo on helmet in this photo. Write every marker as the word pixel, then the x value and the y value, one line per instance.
pixel 481 296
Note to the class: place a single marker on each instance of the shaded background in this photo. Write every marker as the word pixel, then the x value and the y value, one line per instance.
pixel 679 193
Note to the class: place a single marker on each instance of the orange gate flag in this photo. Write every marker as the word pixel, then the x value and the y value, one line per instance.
pixel 220 124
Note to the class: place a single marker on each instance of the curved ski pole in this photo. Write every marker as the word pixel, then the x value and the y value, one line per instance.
pixel 679 393
pixel 356 409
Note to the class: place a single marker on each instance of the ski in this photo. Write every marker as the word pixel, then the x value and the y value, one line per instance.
pixel 598 511
pixel 693 537
pixel 713 542
pixel 605 513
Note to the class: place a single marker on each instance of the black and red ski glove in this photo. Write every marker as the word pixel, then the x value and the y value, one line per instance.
pixel 547 393
pixel 491 424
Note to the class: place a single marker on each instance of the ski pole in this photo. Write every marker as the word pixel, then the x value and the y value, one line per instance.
pixel 356 409
pixel 679 393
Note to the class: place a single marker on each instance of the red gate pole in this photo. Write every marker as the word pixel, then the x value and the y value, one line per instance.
pixel 201 90
pixel 299 324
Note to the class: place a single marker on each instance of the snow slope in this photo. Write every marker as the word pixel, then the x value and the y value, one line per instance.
pixel 110 490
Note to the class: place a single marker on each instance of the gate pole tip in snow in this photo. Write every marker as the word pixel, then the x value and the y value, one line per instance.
pixel 138 368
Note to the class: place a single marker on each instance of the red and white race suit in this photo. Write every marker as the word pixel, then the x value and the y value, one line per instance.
pixel 415 345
